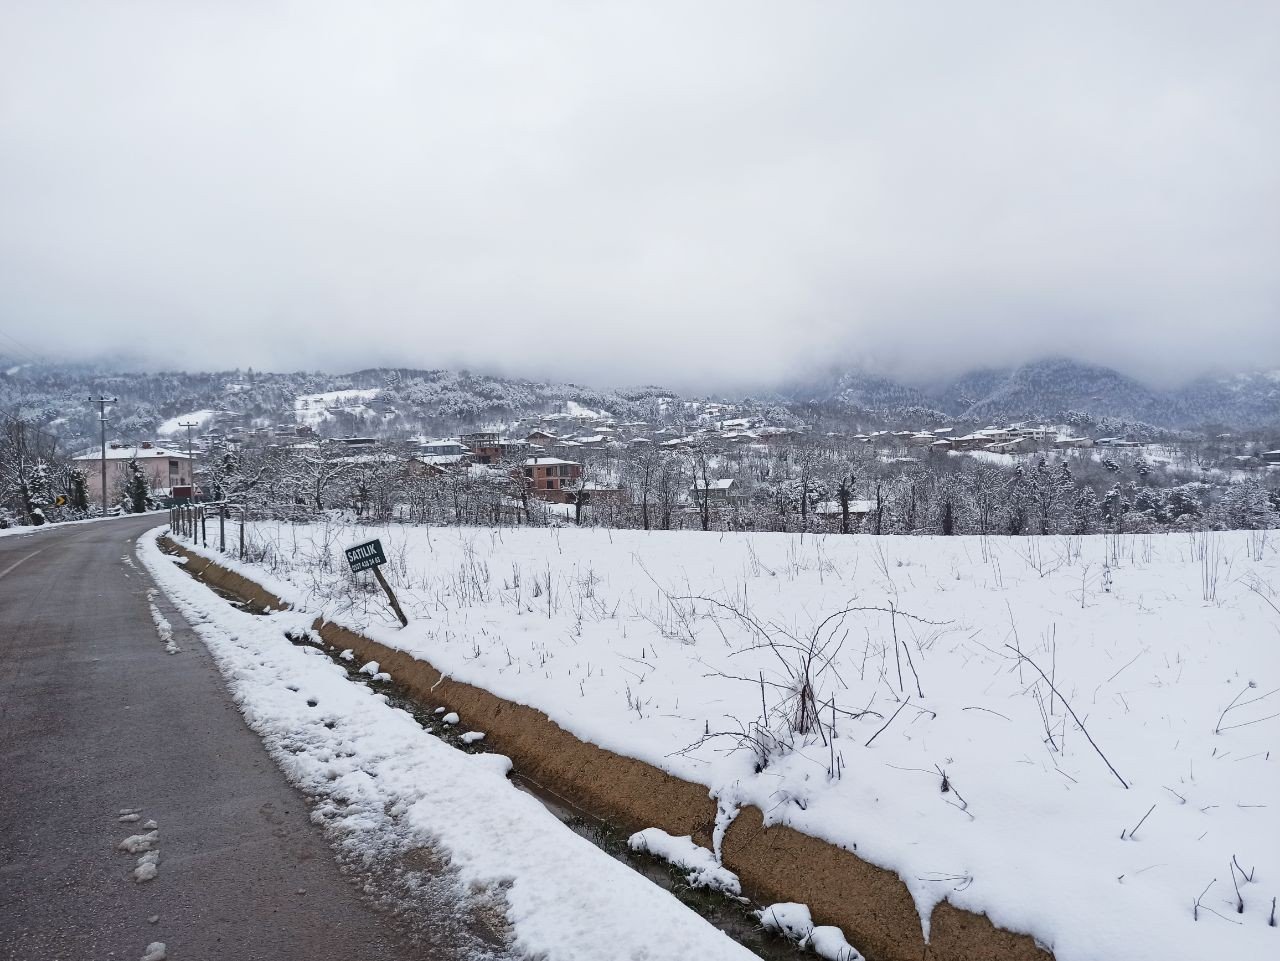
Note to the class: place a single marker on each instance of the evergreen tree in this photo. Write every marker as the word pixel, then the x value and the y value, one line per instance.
pixel 1086 515
pixel 38 492
pixel 1246 506
pixel 138 488
pixel 78 489
pixel 1019 498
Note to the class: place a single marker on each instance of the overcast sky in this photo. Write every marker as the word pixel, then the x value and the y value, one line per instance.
pixel 694 193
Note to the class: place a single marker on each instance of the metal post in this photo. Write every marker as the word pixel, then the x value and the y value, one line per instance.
pixel 222 529
pixel 243 508
pixel 191 461
pixel 204 531
pixel 102 403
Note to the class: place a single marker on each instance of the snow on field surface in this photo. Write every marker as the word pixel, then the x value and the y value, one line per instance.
pixel 382 787
pixel 312 409
pixel 174 424
pixel 955 761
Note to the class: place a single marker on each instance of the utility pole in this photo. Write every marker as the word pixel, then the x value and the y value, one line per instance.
pixel 191 460
pixel 102 403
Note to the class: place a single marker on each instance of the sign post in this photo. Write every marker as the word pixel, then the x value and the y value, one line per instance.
pixel 370 557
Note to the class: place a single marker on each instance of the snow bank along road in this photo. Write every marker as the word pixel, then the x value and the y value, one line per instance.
pixel 96 719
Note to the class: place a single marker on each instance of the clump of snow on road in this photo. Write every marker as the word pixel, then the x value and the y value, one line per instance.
pixel 156 951
pixel 137 843
pixel 145 845
pixel 704 871
pixel 471 737
pixel 1074 735
pixel 163 627
pixel 379 783
pixel 148 867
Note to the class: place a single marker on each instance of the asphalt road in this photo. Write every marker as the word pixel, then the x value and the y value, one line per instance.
pixel 96 718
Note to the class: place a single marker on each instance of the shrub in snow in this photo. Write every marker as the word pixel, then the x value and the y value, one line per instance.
pixel 704 871
pixel 788 919
pixel 828 942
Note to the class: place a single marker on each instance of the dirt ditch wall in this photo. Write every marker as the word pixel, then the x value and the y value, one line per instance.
pixel 870 904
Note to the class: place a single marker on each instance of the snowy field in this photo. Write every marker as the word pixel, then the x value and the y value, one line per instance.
pixel 174 426
pixel 312 409
pixel 1075 735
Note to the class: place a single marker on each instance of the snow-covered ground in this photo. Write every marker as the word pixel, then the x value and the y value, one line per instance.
pixel 383 788
pixel 1075 735
pixel 174 426
pixel 312 409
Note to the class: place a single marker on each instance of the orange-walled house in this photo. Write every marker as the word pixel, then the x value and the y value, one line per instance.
pixel 549 477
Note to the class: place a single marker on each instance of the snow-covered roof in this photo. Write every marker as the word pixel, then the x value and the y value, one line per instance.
pixel 855 507
pixel 134 453
pixel 438 460
pixel 722 484
pixel 546 461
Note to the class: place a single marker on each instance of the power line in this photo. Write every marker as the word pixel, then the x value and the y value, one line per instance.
pixel 27 425
pixel 23 347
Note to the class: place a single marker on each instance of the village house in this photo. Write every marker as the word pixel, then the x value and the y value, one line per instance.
pixel 436 457
pixel 831 513
pixel 552 479
pixel 717 493
pixel 164 467
pixel 486 447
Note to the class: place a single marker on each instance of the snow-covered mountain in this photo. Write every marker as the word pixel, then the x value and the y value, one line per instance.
pixel 403 402
pixel 1053 388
